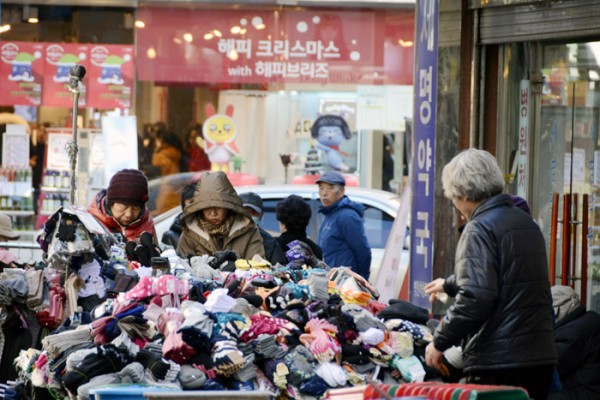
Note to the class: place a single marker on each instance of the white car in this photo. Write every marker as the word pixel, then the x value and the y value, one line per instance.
pixel 381 209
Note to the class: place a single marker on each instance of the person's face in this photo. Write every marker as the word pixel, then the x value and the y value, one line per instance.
pixel 255 215
pixel 330 194
pixel 214 215
pixel 124 213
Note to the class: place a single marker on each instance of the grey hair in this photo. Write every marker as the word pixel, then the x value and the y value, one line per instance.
pixel 472 174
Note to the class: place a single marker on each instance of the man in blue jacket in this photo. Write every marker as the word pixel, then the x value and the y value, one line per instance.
pixel 342 233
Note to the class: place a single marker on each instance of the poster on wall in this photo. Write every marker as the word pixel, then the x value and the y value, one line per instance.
pixel 15 147
pixel 57 153
pixel 110 77
pixel 119 134
pixel 21 73
pixel 59 59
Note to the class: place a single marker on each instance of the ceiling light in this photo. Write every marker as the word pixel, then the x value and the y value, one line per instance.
pixel 235 30
pixel 151 53
pixel 140 24
pixel 177 40
pixel 217 33
pixel 4 28
pixel 188 37
pixel 208 36
pixel 260 26
pixel 30 14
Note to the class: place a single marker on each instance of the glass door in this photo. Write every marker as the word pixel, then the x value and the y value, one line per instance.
pixel 567 167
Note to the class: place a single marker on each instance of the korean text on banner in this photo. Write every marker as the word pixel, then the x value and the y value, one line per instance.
pixel 422 215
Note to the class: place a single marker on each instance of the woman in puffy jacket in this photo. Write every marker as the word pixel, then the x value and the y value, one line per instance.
pixel 214 219
pixel 502 315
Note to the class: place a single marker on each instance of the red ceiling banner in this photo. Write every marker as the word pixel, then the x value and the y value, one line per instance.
pixel 264 46
pixel 37 74
pixel 21 73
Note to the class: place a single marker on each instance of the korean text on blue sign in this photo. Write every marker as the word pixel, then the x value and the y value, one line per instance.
pixel 421 257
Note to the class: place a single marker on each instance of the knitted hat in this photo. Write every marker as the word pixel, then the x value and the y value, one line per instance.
pixel 128 185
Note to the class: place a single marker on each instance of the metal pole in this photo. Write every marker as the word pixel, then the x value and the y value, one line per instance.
pixel 76 74
pixel 553 237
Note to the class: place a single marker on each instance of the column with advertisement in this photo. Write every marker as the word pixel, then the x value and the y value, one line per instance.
pixel 423 170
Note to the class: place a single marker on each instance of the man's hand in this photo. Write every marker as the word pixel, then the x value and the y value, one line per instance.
pixel 433 357
pixel 434 287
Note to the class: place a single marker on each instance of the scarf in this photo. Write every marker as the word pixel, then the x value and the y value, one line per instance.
pixel 221 230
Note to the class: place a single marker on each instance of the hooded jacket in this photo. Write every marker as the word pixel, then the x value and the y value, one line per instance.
pixel 342 237
pixel 215 190
pixel 577 335
pixel 503 311
pixel 98 208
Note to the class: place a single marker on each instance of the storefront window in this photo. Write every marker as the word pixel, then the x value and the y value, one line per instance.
pixel 167 69
pixel 569 156
pixel 279 70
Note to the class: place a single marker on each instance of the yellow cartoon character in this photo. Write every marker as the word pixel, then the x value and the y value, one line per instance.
pixel 219 132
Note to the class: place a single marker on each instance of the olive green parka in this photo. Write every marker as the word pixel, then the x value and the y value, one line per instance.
pixel 215 190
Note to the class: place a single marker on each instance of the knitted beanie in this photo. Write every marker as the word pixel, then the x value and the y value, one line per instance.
pixel 129 186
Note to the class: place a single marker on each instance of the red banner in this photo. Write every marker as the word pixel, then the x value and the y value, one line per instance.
pixel 265 46
pixel 37 74
pixel 59 59
pixel 21 73
pixel 110 77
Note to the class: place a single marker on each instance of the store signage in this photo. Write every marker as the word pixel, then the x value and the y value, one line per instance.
pixel 523 147
pixel 423 174
pixel 264 46
pixel 37 74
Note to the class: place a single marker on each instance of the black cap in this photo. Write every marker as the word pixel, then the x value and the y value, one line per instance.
pixel 253 201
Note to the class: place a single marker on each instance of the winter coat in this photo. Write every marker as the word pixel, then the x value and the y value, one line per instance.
pixel 167 158
pixel 289 236
pixel 98 208
pixel 215 190
pixel 503 311
pixel 577 335
pixel 342 237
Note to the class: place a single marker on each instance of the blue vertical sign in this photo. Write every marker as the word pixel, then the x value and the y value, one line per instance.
pixel 423 164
